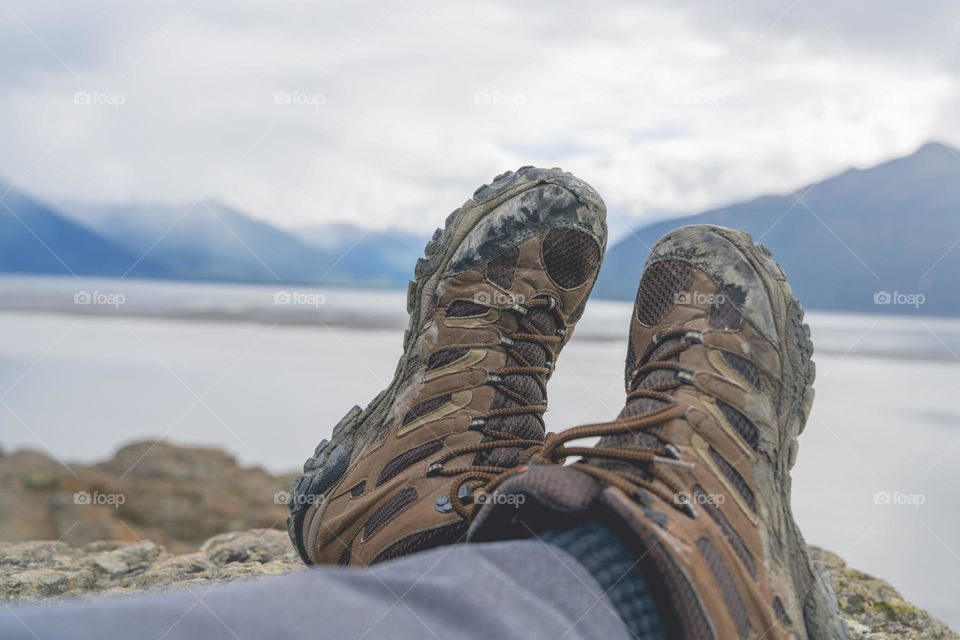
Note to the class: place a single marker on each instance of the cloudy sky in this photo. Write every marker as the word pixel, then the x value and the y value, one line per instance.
pixel 391 113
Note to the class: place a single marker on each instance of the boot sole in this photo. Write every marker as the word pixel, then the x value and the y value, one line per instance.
pixel 816 597
pixel 334 459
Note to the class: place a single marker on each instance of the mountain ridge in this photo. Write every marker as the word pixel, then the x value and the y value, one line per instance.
pixel 891 228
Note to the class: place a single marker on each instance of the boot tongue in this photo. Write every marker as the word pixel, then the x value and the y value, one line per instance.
pixel 544 320
pixel 526 425
pixel 641 406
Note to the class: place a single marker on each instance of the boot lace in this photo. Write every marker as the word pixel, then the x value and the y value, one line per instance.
pixel 495 438
pixel 650 468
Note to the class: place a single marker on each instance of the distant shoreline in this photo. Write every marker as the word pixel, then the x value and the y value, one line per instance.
pixel 363 322
pixel 877 335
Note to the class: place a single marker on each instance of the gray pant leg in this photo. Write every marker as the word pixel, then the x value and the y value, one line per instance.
pixel 504 590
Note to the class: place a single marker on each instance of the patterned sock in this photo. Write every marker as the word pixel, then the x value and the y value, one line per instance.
pixel 612 566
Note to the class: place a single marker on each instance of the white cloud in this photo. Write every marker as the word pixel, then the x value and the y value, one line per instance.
pixel 391 113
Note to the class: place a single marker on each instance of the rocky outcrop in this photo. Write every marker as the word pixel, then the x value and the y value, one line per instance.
pixel 45 571
pixel 175 496
pixel 144 520
pixel 874 609
pixel 31 571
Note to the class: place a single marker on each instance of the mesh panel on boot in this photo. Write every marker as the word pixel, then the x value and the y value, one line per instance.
pixel 444 357
pixel 661 285
pixel 525 386
pixel 728 590
pixel 570 256
pixel 533 353
pixel 358 489
pixel 747 430
pixel 500 270
pixel 640 406
pixel 390 509
pixel 658 377
pixel 744 367
pixel 422 540
pixel 701 498
pixel 544 320
pixel 407 458
pixel 465 309
pixel 723 315
pixel 525 425
pixel 423 408
pixel 735 479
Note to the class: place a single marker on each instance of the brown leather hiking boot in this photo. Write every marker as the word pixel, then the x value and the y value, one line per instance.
pixel 694 473
pixel 493 303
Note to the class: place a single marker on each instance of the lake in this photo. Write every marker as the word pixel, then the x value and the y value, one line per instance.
pixel 265 372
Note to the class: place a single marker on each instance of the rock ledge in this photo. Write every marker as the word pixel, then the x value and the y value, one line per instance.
pixel 49 571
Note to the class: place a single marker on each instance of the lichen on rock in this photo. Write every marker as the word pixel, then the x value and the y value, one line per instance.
pixel 874 610
pixel 32 571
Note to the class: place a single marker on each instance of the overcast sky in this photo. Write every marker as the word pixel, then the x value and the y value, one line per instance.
pixel 391 113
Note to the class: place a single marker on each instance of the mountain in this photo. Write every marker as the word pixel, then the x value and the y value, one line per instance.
pixel 212 241
pixel 892 228
pixel 36 238
pixel 363 256
pixel 205 241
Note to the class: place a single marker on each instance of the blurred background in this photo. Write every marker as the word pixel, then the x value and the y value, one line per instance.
pixel 209 212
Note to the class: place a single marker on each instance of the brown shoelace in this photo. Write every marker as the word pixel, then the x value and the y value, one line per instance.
pixel 657 461
pixel 527 332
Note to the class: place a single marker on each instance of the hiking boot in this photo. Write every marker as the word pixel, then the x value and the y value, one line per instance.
pixel 693 475
pixel 493 303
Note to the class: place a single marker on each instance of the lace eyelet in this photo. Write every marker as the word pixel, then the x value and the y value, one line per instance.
pixel 672 450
